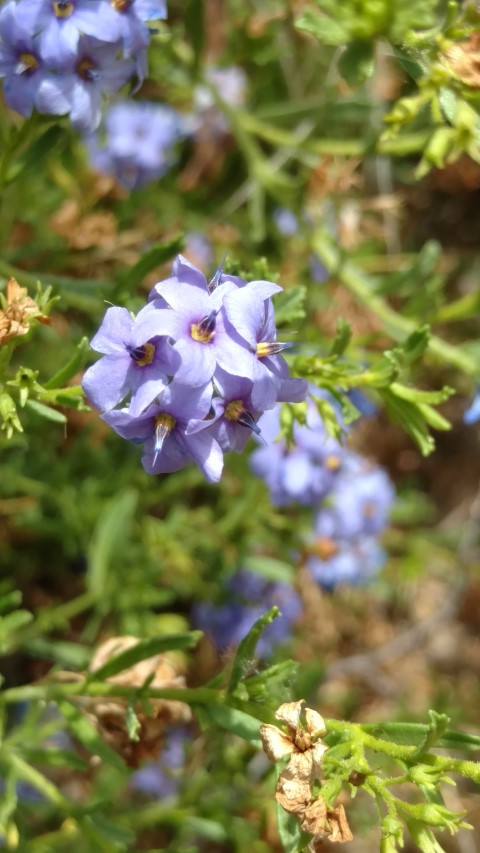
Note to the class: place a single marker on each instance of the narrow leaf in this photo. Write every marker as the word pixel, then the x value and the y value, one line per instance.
pixel 143 650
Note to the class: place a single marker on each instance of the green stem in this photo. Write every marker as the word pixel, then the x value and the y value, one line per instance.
pixel 400 145
pixel 51 690
pixel 48 620
pixel 396 326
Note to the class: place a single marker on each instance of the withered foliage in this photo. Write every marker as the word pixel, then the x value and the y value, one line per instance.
pixel 19 310
pixel 109 714
pixel 464 60
pixel 295 783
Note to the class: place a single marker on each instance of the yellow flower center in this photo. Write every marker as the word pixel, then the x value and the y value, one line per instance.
pixel 147 358
pixel 86 69
pixel 164 423
pixel 332 462
pixel 27 62
pixel 204 331
pixel 63 9
pixel 234 410
pixel 120 5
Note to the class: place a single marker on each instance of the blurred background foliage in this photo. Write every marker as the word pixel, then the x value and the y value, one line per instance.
pixel 351 162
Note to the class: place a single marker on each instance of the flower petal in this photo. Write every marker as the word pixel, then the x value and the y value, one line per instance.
pixel 275 743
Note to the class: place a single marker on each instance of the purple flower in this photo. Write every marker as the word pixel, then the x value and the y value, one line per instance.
pixel 472 414
pixel 61 22
pixel 286 222
pixel 249 596
pixel 20 62
pixel 81 82
pixel 130 24
pixel 234 418
pixel 304 473
pixel 134 360
pixel 211 327
pixel 350 563
pixel 359 504
pixel 162 778
pixel 163 431
pixel 231 84
pixel 139 137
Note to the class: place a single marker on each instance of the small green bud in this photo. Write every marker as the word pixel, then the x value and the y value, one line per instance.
pixel 423 837
pixel 424 775
pixel 8 414
pixel 435 814
pixel 392 834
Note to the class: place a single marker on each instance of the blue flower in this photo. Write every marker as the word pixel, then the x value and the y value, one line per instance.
pixel 472 414
pixel 138 143
pixel 162 778
pixel 248 596
pixel 350 563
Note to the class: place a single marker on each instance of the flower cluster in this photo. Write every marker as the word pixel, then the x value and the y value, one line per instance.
pixel 248 596
pixel 137 146
pixel 199 364
pixel 61 56
pixel 352 498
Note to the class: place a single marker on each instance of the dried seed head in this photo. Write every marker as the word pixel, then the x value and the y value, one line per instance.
pixel 109 715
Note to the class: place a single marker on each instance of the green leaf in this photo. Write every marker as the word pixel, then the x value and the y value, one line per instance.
pixel 143 650
pixel 112 831
pixel 71 655
pixel 416 395
pixel 132 723
pixel 246 650
pixel 357 62
pixel 271 568
pixel 235 721
pixel 194 20
pixel 326 30
pixel 157 255
pixel 342 337
pixel 46 412
pixel 86 733
pixel 288 830
pixel 77 361
pixel 53 757
pixel 290 305
pixel 41 150
pixel 435 730
pixel 109 539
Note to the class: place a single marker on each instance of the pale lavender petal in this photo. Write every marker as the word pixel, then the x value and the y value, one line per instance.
pixel 55 95
pixel 86 111
pixel 292 391
pixel 105 382
pixel 197 362
pixel 137 429
pixel 206 452
pixel 115 332
pixel 185 298
pixel 188 273
pixel 263 289
pixel 146 390
pixel 161 321
pixel 265 388
pixel 172 457
pixel 296 473
pixel 185 402
pixel 246 313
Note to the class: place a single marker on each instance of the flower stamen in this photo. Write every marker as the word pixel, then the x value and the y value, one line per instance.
pixel 63 8
pixel 164 424
pixel 205 329
pixel 271 348
pixel 142 355
pixel 235 411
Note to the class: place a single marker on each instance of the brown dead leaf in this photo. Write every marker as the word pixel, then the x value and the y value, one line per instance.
pixel 109 714
pixel 314 817
pixel 339 830
pixel 293 794
pixel 464 60
pixel 85 232
pixel 21 308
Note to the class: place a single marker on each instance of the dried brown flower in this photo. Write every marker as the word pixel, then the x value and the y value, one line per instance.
pixel 295 783
pixel 15 318
pixel 464 60
pixel 109 714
